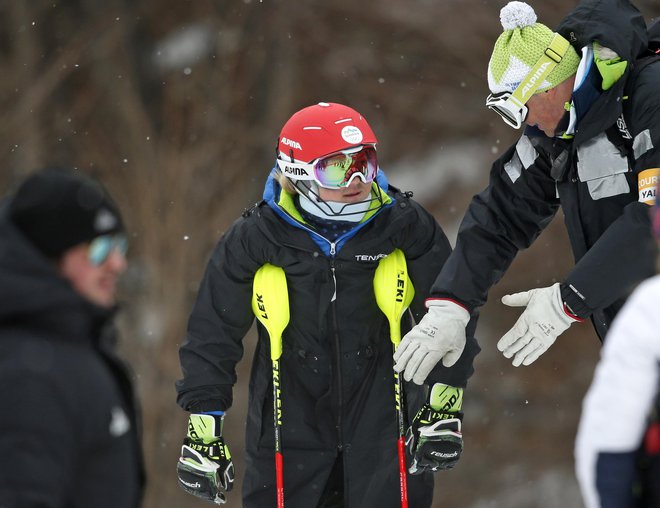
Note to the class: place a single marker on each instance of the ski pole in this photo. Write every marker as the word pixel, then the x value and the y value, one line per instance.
pixel 270 304
pixel 394 292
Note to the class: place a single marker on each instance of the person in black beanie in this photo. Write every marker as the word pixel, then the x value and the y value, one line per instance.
pixel 69 433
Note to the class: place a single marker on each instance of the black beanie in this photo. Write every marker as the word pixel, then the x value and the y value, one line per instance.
pixel 57 209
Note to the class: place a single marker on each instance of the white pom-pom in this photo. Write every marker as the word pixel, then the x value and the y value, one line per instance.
pixel 517 15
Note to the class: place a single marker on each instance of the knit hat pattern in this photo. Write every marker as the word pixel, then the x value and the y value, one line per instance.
pixel 57 208
pixel 518 49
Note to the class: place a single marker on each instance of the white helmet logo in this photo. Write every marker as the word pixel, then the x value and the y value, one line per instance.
pixel 291 143
pixel 351 134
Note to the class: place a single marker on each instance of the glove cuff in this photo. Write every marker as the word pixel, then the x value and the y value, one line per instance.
pixel 571 315
pixel 566 313
pixel 205 428
pixel 574 303
pixel 444 307
pixel 445 398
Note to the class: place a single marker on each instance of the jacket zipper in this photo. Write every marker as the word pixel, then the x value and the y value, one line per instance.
pixel 340 398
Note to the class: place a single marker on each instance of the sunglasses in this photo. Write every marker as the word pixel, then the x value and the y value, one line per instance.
pixel 511 105
pixel 101 247
pixel 336 170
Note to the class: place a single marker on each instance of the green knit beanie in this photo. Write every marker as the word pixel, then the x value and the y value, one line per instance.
pixel 518 49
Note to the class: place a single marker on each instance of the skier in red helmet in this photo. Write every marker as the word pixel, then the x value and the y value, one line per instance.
pixel 322 151
pixel 327 218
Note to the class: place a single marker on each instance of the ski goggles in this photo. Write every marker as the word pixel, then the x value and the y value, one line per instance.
pixel 511 105
pixel 512 111
pixel 335 170
pixel 101 247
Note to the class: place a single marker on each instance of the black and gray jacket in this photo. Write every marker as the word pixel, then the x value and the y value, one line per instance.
pixel 68 424
pixel 592 177
pixel 337 381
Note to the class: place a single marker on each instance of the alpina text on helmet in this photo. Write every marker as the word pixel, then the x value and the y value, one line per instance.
pixel 291 143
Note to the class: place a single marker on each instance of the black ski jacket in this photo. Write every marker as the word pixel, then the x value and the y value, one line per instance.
pixel 593 177
pixel 337 384
pixel 68 423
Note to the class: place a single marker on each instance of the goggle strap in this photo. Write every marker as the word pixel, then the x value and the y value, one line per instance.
pixel 296 170
pixel 553 54
pixel 515 102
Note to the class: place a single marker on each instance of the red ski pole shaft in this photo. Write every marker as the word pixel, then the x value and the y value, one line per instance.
pixel 401 444
pixel 277 424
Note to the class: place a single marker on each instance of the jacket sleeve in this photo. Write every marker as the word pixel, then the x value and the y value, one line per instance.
pixel 519 202
pixel 611 269
pixel 616 407
pixel 221 316
pixel 427 249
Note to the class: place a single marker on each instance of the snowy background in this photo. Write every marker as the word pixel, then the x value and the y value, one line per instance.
pixel 176 106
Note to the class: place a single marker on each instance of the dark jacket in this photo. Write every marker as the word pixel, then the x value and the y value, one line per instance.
pixel 593 177
pixel 337 384
pixel 68 426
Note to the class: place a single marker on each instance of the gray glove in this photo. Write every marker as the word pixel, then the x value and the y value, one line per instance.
pixel 537 328
pixel 440 335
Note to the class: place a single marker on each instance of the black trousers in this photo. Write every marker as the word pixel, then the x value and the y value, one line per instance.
pixel 333 493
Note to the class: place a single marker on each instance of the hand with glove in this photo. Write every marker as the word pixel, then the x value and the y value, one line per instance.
pixel 434 440
pixel 545 318
pixel 440 335
pixel 205 468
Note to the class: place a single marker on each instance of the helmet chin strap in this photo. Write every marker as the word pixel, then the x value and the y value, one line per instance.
pixel 333 210
pixel 311 202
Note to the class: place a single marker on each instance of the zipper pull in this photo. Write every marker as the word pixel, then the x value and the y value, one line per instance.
pixel 334 280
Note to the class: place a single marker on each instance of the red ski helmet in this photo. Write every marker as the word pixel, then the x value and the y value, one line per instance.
pixel 322 129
